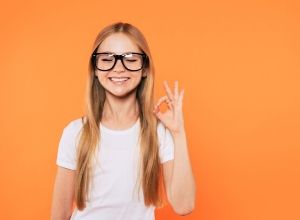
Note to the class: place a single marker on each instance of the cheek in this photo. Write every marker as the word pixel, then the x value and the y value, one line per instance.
pixel 136 78
pixel 102 75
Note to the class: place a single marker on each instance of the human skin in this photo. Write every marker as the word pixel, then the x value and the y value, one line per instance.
pixel 178 173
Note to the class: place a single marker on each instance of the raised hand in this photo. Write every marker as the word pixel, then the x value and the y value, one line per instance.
pixel 173 117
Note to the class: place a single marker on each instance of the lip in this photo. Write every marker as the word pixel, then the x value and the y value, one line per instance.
pixel 118 82
pixel 119 77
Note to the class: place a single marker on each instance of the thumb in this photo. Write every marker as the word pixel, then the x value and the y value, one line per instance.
pixel 158 114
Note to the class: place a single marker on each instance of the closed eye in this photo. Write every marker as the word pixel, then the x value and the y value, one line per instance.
pixel 108 60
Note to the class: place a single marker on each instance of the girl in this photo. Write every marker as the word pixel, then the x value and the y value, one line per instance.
pixel 122 141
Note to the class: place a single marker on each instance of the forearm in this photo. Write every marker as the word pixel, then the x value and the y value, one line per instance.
pixel 183 187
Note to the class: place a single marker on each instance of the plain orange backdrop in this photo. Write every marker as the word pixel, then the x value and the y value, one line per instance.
pixel 238 61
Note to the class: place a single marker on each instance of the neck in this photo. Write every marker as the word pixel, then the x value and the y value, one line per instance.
pixel 120 109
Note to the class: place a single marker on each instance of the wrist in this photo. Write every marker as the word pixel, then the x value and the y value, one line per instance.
pixel 179 132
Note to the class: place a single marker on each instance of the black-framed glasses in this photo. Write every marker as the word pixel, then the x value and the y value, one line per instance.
pixel 132 61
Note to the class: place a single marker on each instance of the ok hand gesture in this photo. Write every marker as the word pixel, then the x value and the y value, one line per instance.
pixel 173 117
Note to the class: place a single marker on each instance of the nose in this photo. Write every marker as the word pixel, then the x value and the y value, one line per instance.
pixel 119 66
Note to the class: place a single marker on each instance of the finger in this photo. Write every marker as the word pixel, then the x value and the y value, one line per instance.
pixel 181 98
pixel 176 90
pixel 169 103
pixel 161 100
pixel 181 95
pixel 168 90
pixel 158 115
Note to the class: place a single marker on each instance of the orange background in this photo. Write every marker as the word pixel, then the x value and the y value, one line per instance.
pixel 238 61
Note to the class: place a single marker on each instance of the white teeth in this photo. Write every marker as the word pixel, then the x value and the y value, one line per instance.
pixel 119 79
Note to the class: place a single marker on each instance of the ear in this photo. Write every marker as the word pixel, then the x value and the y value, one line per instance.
pixel 144 74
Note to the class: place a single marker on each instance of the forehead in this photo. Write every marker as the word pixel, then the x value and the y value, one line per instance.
pixel 118 43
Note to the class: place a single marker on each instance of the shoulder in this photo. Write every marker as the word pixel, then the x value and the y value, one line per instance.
pixel 162 131
pixel 66 155
pixel 166 143
pixel 73 126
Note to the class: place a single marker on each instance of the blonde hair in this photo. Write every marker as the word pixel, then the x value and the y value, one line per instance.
pixel 149 166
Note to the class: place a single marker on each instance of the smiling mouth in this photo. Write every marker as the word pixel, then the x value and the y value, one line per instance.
pixel 118 79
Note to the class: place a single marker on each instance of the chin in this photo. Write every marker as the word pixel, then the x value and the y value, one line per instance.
pixel 121 93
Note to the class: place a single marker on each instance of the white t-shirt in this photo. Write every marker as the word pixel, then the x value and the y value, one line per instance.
pixel 113 194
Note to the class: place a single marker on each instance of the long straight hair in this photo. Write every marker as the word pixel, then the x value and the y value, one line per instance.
pixel 149 170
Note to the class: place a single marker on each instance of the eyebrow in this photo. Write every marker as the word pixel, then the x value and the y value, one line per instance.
pixel 121 53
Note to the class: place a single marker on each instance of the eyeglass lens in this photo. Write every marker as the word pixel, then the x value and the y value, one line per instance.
pixel 131 61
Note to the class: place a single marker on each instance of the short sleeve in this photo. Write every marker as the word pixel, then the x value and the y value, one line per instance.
pixel 166 148
pixel 66 154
